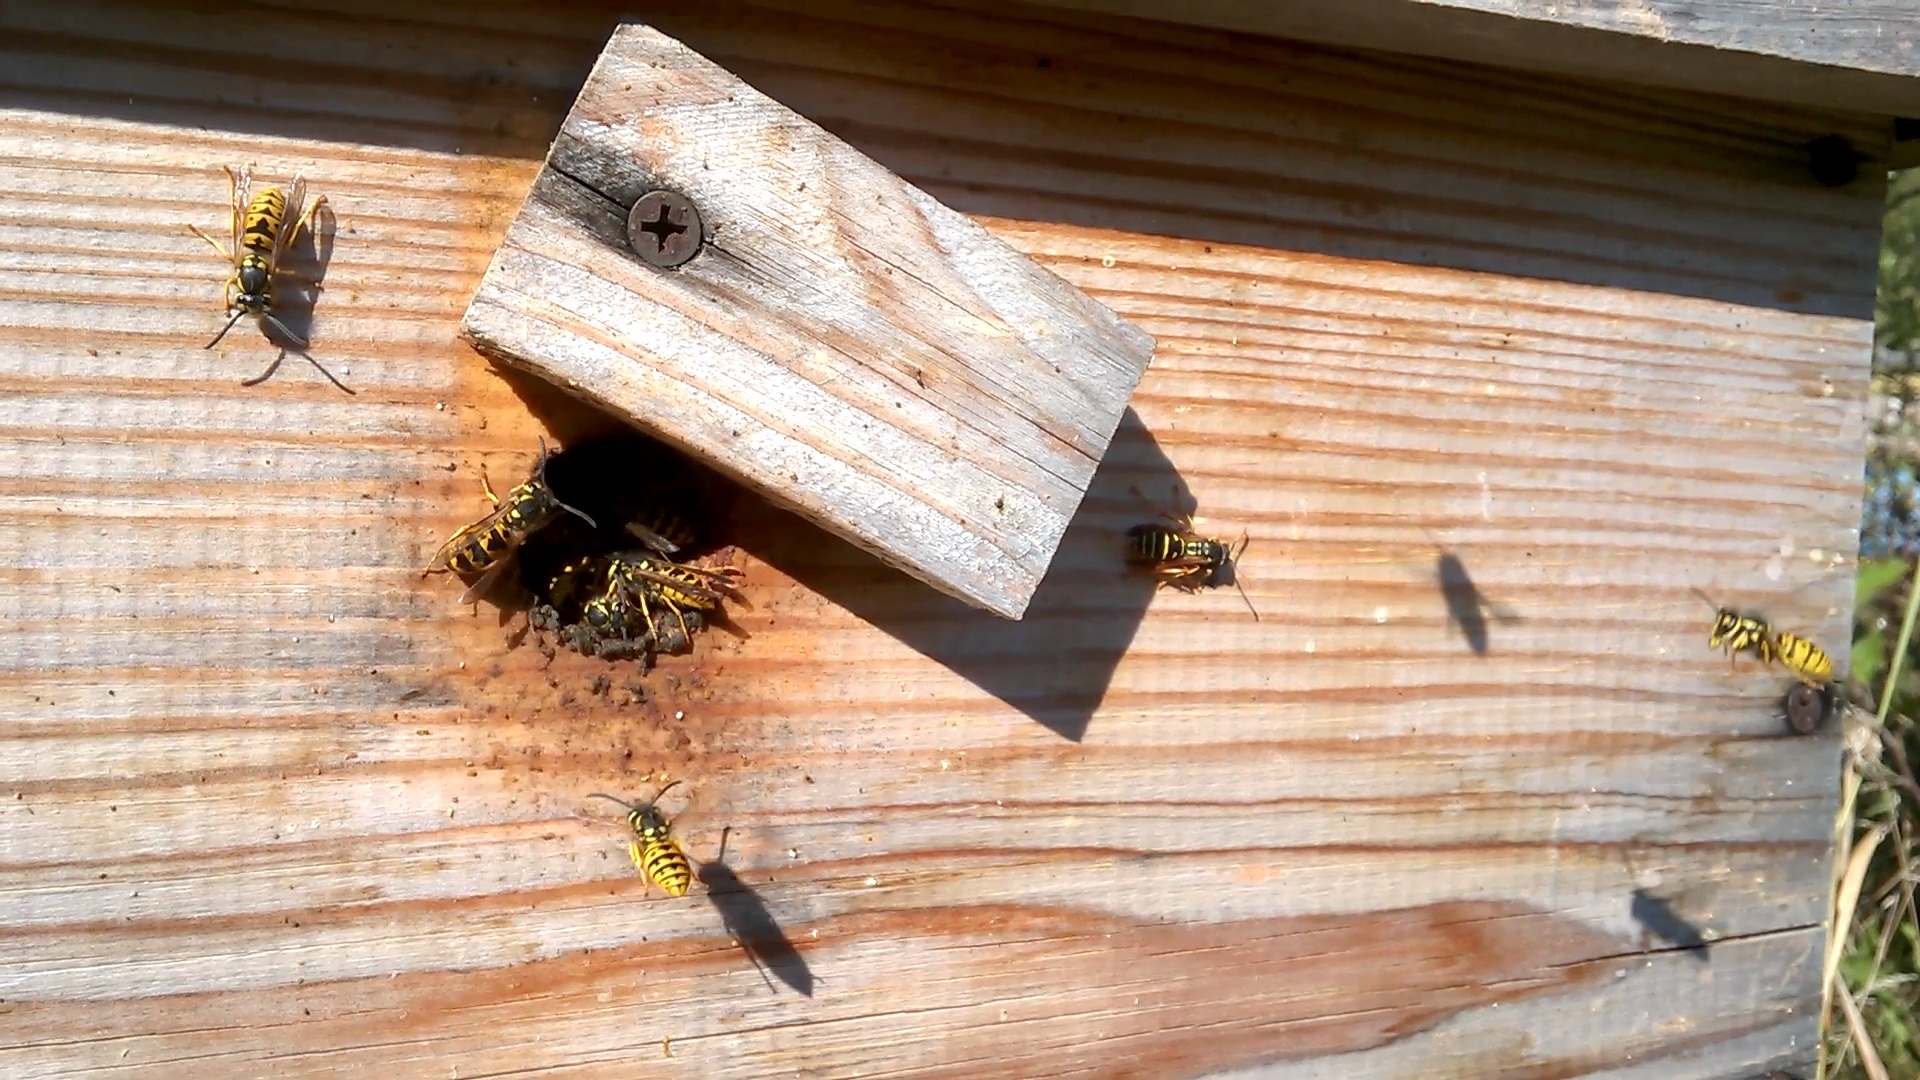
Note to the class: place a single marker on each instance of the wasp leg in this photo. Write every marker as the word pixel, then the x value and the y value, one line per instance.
pixel 488 488
pixel 215 244
pixel 305 220
pixel 675 608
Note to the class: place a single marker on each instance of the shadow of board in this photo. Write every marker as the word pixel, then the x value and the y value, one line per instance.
pixel 1056 663
pixel 490 85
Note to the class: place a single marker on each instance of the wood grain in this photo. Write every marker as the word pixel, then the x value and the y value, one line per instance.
pixel 271 802
pixel 843 344
pixel 1859 55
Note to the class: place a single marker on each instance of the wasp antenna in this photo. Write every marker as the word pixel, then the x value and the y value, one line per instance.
pixel 322 370
pixel 223 330
pixel 296 339
pixel 1248 599
pixel 612 798
pixel 1703 596
pixel 1239 551
pixel 576 512
pixel 656 795
pixel 266 372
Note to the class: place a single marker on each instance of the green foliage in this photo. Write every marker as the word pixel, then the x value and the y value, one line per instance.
pixel 1880 962
pixel 1877 577
pixel 1897 309
pixel 1869 656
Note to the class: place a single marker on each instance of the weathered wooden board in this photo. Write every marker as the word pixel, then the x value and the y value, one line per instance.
pixel 271 802
pixel 842 344
pixel 1861 55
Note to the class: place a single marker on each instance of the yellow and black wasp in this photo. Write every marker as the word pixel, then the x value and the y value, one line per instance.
pixel 1737 632
pixel 1183 559
pixel 603 605
pixel 486 547
pixel 265 227
pixel 654 851
pixel 680 588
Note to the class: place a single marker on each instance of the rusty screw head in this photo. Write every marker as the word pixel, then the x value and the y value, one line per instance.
pixel 664 228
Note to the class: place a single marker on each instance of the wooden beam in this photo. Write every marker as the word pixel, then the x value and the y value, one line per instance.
pixel 842 344
pixel 1859 55
pixel 270 803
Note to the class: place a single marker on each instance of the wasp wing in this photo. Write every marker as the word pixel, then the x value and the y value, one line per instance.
pixel 484 584
pixel 240 182
pixel 652 539
pixel 289 220
pixel 680 585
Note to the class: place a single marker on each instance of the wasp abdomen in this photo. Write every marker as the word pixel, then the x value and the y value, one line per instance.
pixel 664 864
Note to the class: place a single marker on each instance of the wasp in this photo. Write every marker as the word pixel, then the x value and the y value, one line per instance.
pixel 1736 632
pixel 486 546
pixel 265 226
pixel 601 605
pixel 1183 559
pixel 654 851
pixel 677 586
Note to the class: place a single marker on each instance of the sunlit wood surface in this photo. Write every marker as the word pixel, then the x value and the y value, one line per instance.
pixel 1492 369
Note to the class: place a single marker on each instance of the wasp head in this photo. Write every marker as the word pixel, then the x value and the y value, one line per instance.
pixel 648 823
pixel 1724 625
pixel 253 286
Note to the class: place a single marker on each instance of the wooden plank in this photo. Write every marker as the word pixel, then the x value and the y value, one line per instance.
pixel 842 344
pixel 1858 55
pixel 273 803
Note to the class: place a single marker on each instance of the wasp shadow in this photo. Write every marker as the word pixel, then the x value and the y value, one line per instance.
pixel 1657 917
pixel 1468 609
pixel 1054 664
pixel 747 919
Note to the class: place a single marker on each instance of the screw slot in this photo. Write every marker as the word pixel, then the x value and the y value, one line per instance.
pixel 664 229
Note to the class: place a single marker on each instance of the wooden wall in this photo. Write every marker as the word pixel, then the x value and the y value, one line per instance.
pixel 1493 368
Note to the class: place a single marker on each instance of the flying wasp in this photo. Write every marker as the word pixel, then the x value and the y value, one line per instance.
pixel 1736 632
pixel 486 547
pixel 265 227
pixel 654 851
pixel 1183 559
